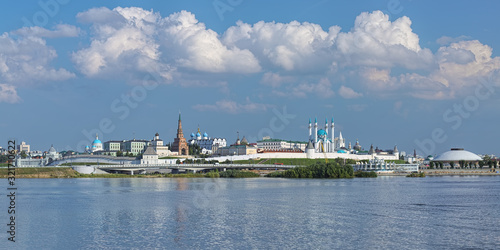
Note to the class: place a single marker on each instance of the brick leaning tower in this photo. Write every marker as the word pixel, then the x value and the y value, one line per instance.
pixel 180 145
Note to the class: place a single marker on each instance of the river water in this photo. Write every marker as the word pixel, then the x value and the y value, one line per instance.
pixel 259 213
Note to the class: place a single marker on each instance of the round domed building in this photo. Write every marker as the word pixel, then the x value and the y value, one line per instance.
pixel 458 156
pixel 96 144
pixel 52 155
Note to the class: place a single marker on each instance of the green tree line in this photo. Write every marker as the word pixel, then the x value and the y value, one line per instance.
pixel 317 170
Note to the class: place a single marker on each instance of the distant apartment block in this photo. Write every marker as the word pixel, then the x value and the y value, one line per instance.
pixel 112 145
pixel 23 147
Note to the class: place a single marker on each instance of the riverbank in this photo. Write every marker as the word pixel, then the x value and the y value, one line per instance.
pixel 448 172
pixel 442 172
pixel 67 172
pixel 51 172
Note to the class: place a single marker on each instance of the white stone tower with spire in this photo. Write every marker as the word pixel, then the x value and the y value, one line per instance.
pixel 310 130
pixel 326 145
pixel 396 151
pixel 333 135
pixel 315 132
pixel 340 141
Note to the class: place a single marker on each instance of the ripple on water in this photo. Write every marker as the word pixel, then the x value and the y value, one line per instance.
pixel 261 213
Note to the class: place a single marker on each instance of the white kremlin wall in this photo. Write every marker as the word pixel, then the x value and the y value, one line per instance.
pixel 304 155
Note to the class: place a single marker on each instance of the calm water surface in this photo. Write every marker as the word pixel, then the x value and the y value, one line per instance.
pixel 262 213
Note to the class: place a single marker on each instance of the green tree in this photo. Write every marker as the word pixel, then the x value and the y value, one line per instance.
pixel 486 158
pixel 119 153
pixel 23 154
pixel 3 158
pixel 318 170
pixel 194 149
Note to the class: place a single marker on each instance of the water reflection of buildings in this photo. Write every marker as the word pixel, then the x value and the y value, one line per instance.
pixel 181 211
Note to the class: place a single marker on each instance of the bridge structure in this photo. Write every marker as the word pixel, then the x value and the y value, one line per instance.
pixel 94 158
pixel 176 168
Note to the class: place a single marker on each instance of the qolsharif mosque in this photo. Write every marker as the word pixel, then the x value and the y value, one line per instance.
pixel 323 143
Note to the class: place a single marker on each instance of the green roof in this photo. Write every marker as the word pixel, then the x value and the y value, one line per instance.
pixel 271 140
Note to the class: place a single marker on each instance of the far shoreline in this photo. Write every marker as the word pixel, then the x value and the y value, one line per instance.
pixel 450 172
pixel 67 172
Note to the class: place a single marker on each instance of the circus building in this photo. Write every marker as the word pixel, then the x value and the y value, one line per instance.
pixel 458 158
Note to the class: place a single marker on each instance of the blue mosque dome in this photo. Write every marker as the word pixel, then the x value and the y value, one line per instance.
pixel 192 134
pixel 321 132
pixel 87 146
pixel 205 134
pixel 198 134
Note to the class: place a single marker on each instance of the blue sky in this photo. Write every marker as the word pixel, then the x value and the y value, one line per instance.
pixel 419 74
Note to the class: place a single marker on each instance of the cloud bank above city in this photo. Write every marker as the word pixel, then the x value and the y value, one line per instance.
pixel 294 59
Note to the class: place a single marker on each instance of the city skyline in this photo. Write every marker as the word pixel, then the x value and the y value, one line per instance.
pixel 389 73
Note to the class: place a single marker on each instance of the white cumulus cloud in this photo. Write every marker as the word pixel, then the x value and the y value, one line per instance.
pixel 132 40
pixel 376 41
pixel 199 48
pixel 137 40
pixel 25 60
pixel 348 93
pixel 8 94
pixel 60 30
pixel 285 46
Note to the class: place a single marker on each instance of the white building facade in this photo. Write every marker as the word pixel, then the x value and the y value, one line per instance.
pixel 158 146
pixel 277 144
pixel 150 156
